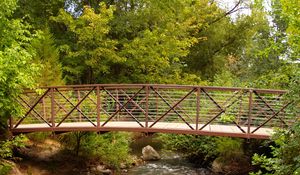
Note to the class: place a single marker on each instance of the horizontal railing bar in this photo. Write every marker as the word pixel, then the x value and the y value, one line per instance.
pixel 163 86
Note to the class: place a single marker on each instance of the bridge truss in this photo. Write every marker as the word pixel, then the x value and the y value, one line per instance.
pixel 218 111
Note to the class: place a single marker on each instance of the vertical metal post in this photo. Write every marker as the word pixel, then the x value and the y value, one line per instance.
pixel 147 105
pixel 78 98
pixel 98 106
pixel 117 105
pixel 156 102
pixel 198 107
pixel 250 111
pixel 240 108
pixel 52 108
pixel 44 109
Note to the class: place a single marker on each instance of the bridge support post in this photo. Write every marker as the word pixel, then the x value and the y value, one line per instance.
pixel 52 108
pixel 98 106
pixel 249 112
pixel 198 108
pixel 78 99
pixel 147 105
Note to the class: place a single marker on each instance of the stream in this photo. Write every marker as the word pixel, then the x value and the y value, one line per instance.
pixel 170 163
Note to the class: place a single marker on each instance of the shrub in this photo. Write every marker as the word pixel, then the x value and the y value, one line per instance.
pixel 5 168
pixel 111 148
pixel 6 147
pixel 196 148
pixel 285 155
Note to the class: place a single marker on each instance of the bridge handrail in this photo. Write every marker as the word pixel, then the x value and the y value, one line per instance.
pixel 175 86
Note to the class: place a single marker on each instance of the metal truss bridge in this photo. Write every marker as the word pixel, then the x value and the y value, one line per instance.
pixel 215 111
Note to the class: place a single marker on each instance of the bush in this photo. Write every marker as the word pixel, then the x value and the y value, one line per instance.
pixel 110 148
pixel 38 136
pixel 6 147
pixel 229 149
pixel 5 168
pixel 204 149
pixel 286 157
pixel 199 149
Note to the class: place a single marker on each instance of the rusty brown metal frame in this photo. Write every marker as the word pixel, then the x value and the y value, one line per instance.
pixel 269 107
pixel 179 107
pixel 223 109
pixel 123 107
pixel 45 93
pixel 273 116
pixel 136 105
pixel 75 107
pixel 172 107
pixel 96 103
pixel 38 114
pixel 176 107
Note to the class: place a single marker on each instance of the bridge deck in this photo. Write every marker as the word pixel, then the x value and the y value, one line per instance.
pixel 165 127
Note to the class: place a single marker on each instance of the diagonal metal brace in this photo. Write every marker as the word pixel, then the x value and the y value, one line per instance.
pixel 35 111
pixel 172 107
pixel 123 107
pixel 33 106
pixel 269 108
pixel 273 116
pixel 75 107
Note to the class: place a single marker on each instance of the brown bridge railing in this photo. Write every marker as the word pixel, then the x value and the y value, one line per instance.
pixel 220 111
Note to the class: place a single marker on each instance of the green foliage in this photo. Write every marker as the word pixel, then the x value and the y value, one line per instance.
pixel 286 158
pixel 114 43
pixel 110 148
pixel 227 118
pixel 281 78
pixel 6 147
pixel 226 78
pixel 204 149
pixel 5 168
pixel 47 55
pixel 37 13
pixel 290 11
pixel 17 70
pixel 229 149
pixel 194 147
pixel 92 51
pixel 38 136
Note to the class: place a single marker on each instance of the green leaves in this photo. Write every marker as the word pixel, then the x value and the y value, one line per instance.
pixel 17 70
pixel 92 50
pixel 291 12
pixel 101 147
pixel 6 147
pixel 286 158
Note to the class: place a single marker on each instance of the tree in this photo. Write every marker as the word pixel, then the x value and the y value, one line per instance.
pixel 145 41
pixel 92 51
pixel 17 70
pixel 37 13
pixel 291 14
pixel 286 158
pixel 47 55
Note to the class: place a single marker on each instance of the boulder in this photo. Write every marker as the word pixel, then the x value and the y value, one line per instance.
pixel 100 170
pixel 149 153
pixel 233 167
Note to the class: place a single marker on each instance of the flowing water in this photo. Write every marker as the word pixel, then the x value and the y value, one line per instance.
pixel 170 164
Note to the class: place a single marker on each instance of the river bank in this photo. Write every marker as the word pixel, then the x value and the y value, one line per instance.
pixel 50 157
